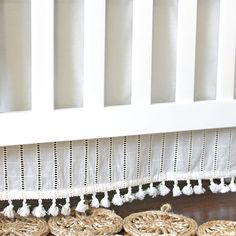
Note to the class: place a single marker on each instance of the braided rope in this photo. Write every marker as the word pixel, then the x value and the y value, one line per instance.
pixel 93 222
pixel 159 223
pixel 23 226
pixel 217 228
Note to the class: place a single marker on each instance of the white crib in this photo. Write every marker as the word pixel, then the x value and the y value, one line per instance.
pixel 139 122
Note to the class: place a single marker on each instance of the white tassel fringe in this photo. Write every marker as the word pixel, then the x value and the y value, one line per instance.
pixel 213 186
pixel 129 197
pixel 152 191
pixel 24 211
pixel 9 210
pixel 81 206
pixel 222 187
pixel 117 200
pixel 53 209
pixel 187 189
pixel 65 210
pixel 176 189
pixel 39 210
pixel 163 189
pixel 232 185
pixel 95 201
pixel 198 189
pixel 105 201
pixel 140 195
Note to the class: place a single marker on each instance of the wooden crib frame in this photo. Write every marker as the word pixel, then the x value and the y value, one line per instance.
pixel 45 124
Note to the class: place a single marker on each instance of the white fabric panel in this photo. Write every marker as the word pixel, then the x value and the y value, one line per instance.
pixel 156 153
pixel 103 160
pixel 30 160
pixel 207 49
pixel 13 170
pixel 15 55
pixel 165 23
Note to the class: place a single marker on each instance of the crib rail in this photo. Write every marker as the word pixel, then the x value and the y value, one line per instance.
pixel 44 124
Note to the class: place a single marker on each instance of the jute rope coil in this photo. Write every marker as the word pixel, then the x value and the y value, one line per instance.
pixel 217 228
pixel 23 226
pixel 93 222
pixel 150 223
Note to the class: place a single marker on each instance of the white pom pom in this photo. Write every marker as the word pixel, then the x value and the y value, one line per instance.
pixel 187 190
pixel 105 201
pixel 65 210
pixel 81 206
pixel 163 189
pixel 39 210
pixel 140 195
pixel 198 189
pixel 9 210
pixel 213 186
pixel 232 185
pixel 152 191
pixel 53 209
pixel 222 187
pixel 24 211
pixel 129 197
pixel 176 189
pixel 117 199
pixel 95 201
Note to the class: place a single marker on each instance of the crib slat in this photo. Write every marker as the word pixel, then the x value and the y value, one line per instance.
pixel 186 41
pixel 226 50
pixel 94 52
pixel 142 52
pixel 42 55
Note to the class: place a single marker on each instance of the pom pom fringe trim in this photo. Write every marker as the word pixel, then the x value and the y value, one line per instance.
pixel 116 198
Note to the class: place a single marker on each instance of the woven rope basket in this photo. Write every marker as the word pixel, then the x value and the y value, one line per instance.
pixel 217 228
pixel 150 223
pixel 23 226
pixel 93 222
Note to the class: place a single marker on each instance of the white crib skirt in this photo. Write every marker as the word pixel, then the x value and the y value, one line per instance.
pixel 77 168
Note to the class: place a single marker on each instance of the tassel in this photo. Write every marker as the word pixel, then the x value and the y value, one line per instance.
pixel 152 191
pixel 232 185
pixel 65 210
pixel 105 201
pixel 140 195
pixel 213 186
pixel 117 199
pixel 81 206
pixel 53 209
pixel 198 189
pixel 9 210
pixel 222 187
pixel 187 190
pixel 176 189
pixel 163 189
pixel 24 211
pixel 39 211
pixel 95 201
pixel 129 197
